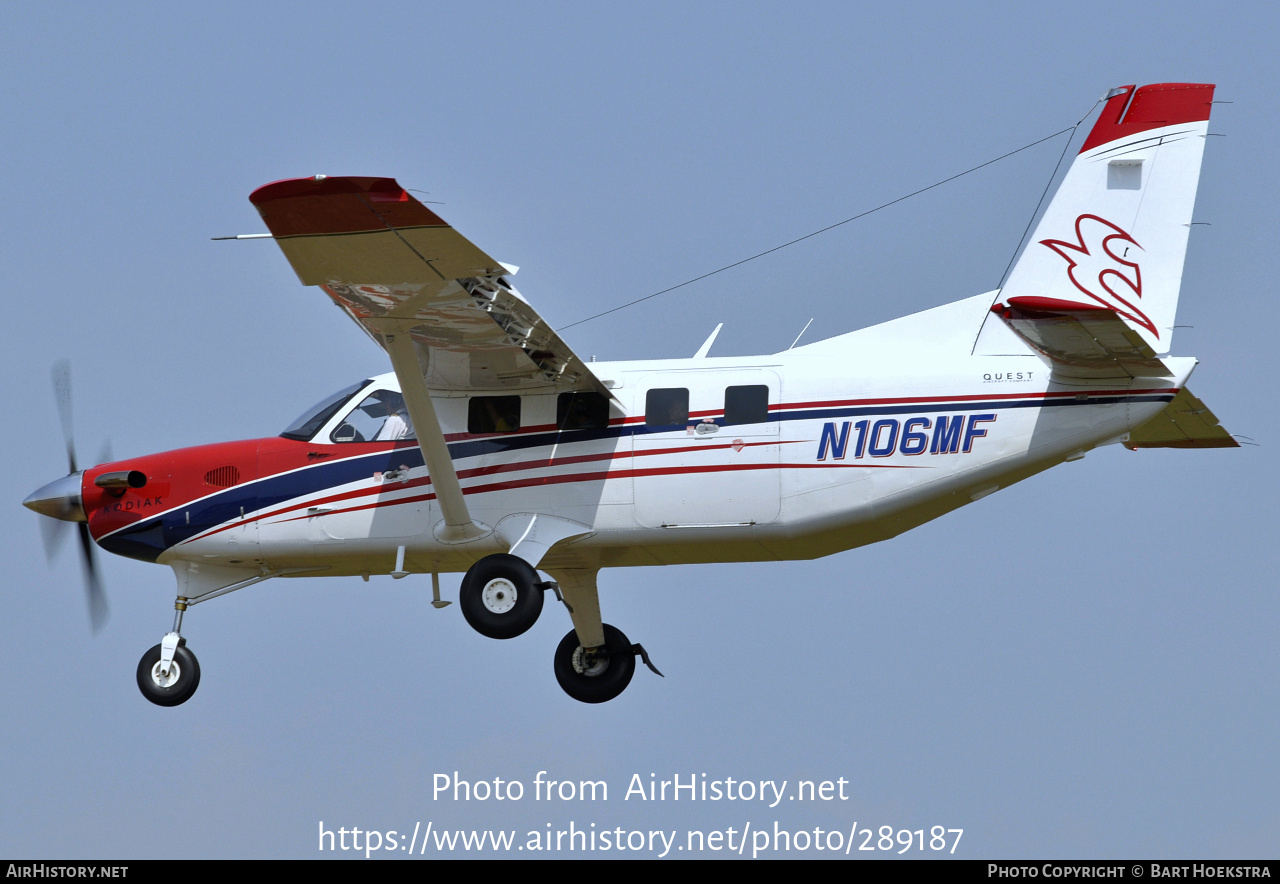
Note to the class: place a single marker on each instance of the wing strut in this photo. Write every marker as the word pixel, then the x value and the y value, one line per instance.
pixel 458 525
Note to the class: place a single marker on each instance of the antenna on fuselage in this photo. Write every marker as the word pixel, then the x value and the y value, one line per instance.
pixel 801 335
pixel 706 345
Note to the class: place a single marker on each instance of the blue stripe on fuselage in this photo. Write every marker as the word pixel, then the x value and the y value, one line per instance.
pixel 142 540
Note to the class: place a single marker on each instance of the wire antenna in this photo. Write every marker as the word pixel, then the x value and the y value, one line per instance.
pixel 894 202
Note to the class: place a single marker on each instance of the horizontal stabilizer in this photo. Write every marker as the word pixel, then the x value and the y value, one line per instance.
pixel 1083 340
pixel 1184 423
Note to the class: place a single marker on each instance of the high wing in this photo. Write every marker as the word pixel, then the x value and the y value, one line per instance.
pixel 441 307
pixel 393 264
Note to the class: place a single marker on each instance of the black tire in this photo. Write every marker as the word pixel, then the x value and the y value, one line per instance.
pixel 619 664
pixel 180 691
pixel 500 597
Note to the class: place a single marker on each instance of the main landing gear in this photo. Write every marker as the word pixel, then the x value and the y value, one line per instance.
pixel 595 675
pixel 501 597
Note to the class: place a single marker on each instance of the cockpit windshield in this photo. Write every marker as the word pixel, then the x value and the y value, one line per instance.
pixel 380 417
pixel 316 417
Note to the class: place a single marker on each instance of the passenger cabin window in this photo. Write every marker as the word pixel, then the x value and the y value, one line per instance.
pixel 581 411
pixel 666 407
pixel 493 414
pixel 380 417
pixel 748 404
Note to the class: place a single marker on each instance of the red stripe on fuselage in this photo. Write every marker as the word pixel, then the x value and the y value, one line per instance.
pixel 568 478
pixel 492 469
pixel 177 477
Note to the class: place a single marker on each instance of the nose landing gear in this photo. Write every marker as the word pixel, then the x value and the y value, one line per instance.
pixel 170 685
pixel 169 674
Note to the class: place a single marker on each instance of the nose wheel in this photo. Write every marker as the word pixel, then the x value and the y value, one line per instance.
pixel 169 685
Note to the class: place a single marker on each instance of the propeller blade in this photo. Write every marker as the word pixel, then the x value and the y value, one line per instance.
pixel 53 530
pixel 62 395
pixel 97 598
pixel 52 533
pixel 104 453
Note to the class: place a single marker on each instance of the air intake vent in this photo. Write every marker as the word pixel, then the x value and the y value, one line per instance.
pixel 222 477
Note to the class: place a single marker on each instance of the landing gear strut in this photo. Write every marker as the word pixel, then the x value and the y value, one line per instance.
pixel 501 596
pixel 168 674
pixel 594 663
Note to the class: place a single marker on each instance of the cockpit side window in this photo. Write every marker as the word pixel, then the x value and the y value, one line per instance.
pixel 317 416
pixel 380 417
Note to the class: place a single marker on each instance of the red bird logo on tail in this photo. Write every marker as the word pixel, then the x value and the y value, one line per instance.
pixel 1100 266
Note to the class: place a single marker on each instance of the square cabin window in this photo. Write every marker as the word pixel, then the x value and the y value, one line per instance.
pixel 581 411
pixel 748 404
pixel 493 414
pixel 668 407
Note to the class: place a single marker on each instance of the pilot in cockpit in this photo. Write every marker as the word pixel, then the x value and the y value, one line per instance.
pixel 380 417
pixel 397 425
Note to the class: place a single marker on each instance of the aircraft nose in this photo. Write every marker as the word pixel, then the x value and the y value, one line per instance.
pixel 60 499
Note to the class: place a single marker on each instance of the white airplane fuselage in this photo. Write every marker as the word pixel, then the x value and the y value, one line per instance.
pixel 869 434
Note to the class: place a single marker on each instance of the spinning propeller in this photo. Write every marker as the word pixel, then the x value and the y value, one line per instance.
pixel 60 501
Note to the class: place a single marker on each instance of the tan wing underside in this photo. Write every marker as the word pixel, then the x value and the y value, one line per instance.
pixel 395 267
pixel 1184 423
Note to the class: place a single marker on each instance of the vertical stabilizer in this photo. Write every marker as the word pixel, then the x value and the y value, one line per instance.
pixel 1115 235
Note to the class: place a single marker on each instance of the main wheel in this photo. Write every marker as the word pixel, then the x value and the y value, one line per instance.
pixel 177 687
pixel 500 597
pixel 598 677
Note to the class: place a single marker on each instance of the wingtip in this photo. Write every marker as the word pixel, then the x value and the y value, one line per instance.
pixel 326 204
pixel 327 185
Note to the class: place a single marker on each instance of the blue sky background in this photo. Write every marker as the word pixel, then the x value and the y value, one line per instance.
pixel 1083 665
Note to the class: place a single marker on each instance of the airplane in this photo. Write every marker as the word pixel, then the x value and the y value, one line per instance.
pixel 494 451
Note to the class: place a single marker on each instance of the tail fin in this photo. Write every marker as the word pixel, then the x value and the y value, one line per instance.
pixel 1115 235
